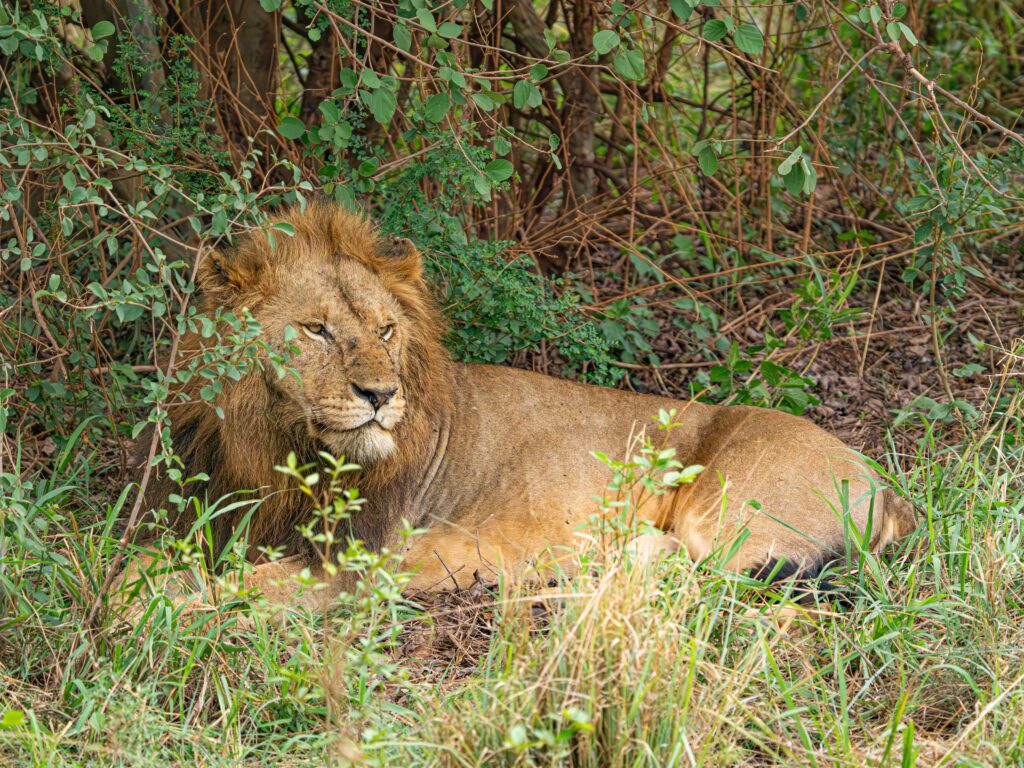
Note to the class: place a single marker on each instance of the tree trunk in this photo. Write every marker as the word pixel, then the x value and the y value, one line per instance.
pixel 139 19
pixel 238 45
pixel 579 88
pixel 580 111
pixel 323 76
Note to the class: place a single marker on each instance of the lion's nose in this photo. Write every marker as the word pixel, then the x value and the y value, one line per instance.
pixel 375 396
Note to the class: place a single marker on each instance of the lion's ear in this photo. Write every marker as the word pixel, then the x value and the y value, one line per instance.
pixel 401 258
pixel 220 273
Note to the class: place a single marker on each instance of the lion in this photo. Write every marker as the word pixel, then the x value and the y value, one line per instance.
pixel 493 462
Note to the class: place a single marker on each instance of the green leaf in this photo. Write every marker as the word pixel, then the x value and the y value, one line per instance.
pixel 920 202
pixel 714 29
pixel 681 8
pixel 451 76
pixel 908 33
pixel 291 127
pixel 402 37
pixel 102 29
pixel 801 12
pixel 794 181
pixel 708 160
pixel 426 20
pixel 330 111
pixel 436 107
pixel 348 78
pixel 368 167
pixel 893 30
pixel 605 40
pixel 629 63
pixel 899 10
pixel 526 94
pixel 270 5
pixel 12 718
pixel 517 737
pixel 449 29
pixel 498 170
pixel 810 175
pixel 482 185
pixel 484 101
pixel 538 71
pixel 381 103
pixel 749 39
pixel 794 157
pixel 923 232
pixel 875 14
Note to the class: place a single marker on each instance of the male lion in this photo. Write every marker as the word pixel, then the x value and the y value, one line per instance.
pixel 493 461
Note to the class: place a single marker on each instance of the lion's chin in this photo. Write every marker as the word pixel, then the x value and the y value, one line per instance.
pixel 364 446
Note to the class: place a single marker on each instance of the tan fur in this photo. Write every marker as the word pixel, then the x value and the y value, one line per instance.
pixel 494 461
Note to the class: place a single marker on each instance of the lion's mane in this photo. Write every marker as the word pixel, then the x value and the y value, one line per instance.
pixel 240 450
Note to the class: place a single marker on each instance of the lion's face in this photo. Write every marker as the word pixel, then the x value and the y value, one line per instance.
pixel 348 301
pixel 351 347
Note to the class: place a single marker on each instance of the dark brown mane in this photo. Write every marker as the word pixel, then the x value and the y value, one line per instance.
pixel 240 451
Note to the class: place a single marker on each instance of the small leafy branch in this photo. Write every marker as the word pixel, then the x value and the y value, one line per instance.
pixel 327 531
pixel 371 605
pixel 652 471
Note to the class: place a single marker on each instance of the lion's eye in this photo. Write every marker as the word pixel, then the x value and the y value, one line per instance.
pixel 386 332
pixel 315 329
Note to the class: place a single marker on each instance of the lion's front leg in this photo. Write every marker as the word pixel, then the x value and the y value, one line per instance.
pixel 153 576
pixel 446 559
pixel 288 583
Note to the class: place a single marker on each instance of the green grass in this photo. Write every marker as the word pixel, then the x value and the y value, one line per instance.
pixel 671 665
